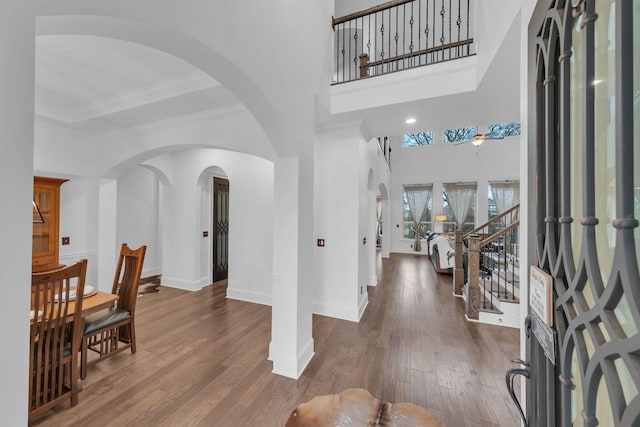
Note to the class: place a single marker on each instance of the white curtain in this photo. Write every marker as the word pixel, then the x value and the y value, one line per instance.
pixel 459 197
pixel 378 216
pixel 418 199
pixel 505 195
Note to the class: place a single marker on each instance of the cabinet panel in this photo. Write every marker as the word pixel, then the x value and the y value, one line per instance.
pixel 45 249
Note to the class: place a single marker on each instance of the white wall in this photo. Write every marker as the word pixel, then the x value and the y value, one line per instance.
pixel 79 222
pixel 439 163
pixel 16 167
pixel 186 213
pixel 336 204
pixel 344 216
pixel 138 216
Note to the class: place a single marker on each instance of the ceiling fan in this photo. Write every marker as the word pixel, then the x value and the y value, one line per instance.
pixel 479 138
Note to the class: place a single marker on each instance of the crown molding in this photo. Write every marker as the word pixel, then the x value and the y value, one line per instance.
pixel 160 91
pixel 167 89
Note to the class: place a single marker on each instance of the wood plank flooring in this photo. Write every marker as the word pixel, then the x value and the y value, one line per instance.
pixel 202 359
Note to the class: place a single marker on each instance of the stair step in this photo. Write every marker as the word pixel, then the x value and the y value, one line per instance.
pixel 508 276
pixel 490 309
pixel 498 293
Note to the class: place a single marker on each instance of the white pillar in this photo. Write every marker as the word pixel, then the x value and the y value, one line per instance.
pixel 108 248
pixel 386 228
pixel 16 174
pixel 181 234
pixel 372 275
pixel 291 346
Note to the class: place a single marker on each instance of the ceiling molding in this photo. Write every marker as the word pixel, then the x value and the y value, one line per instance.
pixel 213 114
pixel 167 89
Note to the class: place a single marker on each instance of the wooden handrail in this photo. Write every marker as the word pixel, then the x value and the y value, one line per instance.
pixel 502 232
pixel 419 52
pixel 371 10
pixel 492 220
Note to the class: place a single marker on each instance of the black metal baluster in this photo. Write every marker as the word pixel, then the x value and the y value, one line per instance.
pixel 449 41
pixel 433 41
pixel 356 65
pixel 419 26
pixel 404 33
pixel 397 37
pixel 458 22
pixel 362 46
pixel 426 33
pixel 468 18
pixel 369 42
pixel 343 31
pixel 389 32
pixel 375 40
pixel 337 56
pixel 442 13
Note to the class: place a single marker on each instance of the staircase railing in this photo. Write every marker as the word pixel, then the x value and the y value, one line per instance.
pixel 492 265
pixel 399 35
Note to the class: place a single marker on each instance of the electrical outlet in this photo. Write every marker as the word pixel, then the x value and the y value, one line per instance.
pixel 205 234
pixel 66 240
pixel 321 243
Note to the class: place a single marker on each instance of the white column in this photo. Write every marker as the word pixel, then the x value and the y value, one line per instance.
pixel 291 346
pixel 16 174
pixel 386 228
pixel 108 248
pixel 372 275
pixel 181 234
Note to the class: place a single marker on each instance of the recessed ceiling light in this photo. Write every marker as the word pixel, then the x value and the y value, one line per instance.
pixel 410 120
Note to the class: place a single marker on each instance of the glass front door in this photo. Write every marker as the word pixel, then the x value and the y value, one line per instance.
pixel 585 117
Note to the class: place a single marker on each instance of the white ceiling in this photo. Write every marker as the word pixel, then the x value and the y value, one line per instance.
pixel 95 84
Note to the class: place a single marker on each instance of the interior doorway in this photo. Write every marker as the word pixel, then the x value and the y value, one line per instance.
pixel 220 228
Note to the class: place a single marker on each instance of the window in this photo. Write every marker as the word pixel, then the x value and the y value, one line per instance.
pixel 417 139
pixel 459 198
pixel 502 196
pixel 502 130
pixel 458 134
pixel 408 223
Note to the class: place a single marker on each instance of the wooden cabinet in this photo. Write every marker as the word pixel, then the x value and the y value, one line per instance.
pixel 45 250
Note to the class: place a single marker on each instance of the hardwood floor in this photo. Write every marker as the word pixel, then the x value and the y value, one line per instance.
pixel 202 359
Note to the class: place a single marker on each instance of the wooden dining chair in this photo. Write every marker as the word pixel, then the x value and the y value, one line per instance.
pixel 55 335
pixel 110 331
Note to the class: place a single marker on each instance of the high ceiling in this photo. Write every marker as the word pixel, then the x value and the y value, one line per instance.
pixel 95 84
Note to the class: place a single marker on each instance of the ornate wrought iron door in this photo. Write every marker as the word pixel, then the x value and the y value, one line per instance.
pixel 584 76
pixel 220 228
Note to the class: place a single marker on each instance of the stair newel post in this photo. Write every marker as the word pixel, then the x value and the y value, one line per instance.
pixel 459 268
pixel 364 65
pixel 473 287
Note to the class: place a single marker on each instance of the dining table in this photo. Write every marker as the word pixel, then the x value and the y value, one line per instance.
pixel 93 302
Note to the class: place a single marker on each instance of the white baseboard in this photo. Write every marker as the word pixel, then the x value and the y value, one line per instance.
pixel 291 367
pixel 410 251
pixel 249 296
pixel 363 305
pixel 336 311
pixel 72 257
pixel 372 281
pixel 187 285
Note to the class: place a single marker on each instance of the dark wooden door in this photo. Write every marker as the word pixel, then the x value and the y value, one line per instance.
pixel 220 228
pixel 584 140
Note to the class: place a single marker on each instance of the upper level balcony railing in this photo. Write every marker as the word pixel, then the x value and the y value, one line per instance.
pixel 399 35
